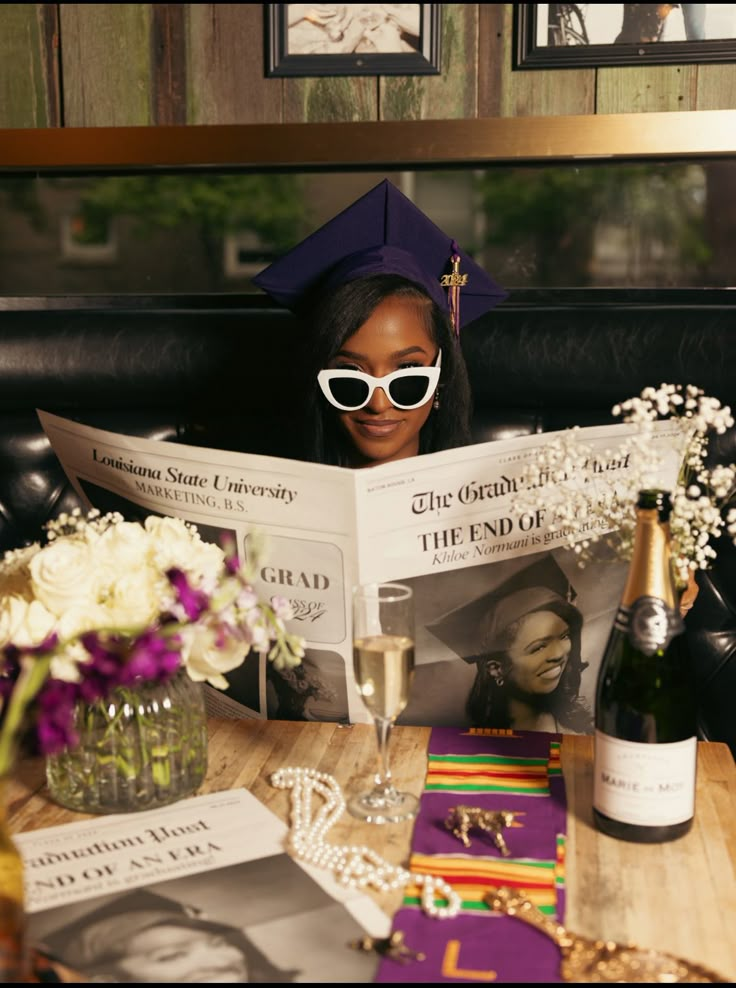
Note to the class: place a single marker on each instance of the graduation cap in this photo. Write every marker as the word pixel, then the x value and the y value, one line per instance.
pixel 476 629
pixel 382 232
pixel 104 933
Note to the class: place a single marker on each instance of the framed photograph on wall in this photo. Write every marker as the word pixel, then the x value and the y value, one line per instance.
pixel 327 39
pixel 575 35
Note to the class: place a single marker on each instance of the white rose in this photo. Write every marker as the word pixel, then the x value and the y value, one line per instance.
pixel 134 599
pixel 63 574
pixel 24 623
pixel 80 618
pixel 176 545
pixel 122 549
pixel 204 661
pixel 124 545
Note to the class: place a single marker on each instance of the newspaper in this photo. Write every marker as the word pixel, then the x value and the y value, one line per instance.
pixel 198 891
pixel 443 523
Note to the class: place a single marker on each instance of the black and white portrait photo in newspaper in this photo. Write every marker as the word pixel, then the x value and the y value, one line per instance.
pixel 261 922
pixel 514 643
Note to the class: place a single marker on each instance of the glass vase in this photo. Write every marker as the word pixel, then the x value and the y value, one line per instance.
pixel 141 747
pixel 15 965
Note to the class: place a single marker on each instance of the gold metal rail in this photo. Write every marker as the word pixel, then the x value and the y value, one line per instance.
pixel 691 134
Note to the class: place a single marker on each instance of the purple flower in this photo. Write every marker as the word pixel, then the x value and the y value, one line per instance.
pixel 192 600
pixel 153 656
pixel 232 564
pixel 55 717
pixel 105 668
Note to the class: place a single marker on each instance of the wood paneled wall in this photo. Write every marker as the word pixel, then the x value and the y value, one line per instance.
pixel 111 64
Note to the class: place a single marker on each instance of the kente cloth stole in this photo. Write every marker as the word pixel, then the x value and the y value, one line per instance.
pixel 493 770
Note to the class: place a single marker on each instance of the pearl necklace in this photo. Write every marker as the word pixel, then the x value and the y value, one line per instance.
pixel 356 866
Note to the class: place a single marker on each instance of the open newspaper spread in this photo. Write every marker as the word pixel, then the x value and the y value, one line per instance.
pixel 158 896
pixel 443 523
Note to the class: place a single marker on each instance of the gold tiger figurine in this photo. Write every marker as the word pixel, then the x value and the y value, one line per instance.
pixel 460 819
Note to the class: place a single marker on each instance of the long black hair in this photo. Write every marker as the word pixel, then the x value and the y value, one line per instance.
pixel 338 316
pixel 488 701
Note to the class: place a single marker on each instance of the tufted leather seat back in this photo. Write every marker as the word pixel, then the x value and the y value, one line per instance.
pixel 222 371
pixel 194 375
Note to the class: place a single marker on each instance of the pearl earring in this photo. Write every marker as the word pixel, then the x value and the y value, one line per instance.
pixel 436 402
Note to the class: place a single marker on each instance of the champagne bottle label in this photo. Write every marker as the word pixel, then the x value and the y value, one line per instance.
pixel 649 624
pixel 651 785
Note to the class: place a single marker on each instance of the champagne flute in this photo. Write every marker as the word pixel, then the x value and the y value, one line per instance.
pixel 383 660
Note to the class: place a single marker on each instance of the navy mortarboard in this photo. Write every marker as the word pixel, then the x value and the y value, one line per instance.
pixel 382 232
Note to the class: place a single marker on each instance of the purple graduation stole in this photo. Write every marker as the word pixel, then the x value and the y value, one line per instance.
pixel 492 771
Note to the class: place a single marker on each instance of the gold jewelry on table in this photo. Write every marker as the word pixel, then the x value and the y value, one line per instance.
pixel 586 960
pixel 460 819
pixel 392 947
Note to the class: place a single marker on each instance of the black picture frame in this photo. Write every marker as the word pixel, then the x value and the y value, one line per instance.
pixel 425 60
pixel 566 23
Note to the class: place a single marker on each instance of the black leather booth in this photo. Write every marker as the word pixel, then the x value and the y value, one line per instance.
pixel 221 371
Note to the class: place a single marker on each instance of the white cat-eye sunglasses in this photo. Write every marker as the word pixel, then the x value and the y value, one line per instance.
pixel 407 388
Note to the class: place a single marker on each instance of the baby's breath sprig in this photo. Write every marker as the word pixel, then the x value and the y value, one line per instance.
pixel 562 482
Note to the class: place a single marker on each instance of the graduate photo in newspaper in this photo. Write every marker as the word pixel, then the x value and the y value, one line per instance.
pixel 513 644
pixel 199 891
pixel 263 922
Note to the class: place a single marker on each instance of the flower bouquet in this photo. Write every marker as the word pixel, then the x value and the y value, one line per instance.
pixel 561 481
pixel 105 630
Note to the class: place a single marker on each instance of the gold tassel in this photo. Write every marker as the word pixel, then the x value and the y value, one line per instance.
pixel 454 282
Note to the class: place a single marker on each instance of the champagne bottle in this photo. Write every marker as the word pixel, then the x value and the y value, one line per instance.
pixel 645 722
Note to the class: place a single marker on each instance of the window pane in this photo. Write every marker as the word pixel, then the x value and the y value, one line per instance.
pixel 650 224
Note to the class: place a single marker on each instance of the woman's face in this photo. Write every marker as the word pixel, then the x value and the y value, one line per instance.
pixel 180 953
pixel 539 652
pixel 393 337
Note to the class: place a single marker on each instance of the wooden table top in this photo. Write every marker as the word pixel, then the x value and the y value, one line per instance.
pixel 678 897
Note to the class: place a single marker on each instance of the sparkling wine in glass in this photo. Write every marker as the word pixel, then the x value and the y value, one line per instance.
pixel 383 661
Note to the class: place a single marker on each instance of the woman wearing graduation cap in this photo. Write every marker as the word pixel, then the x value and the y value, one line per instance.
pixel 524 638
pixel 384 293
pixel 144 937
